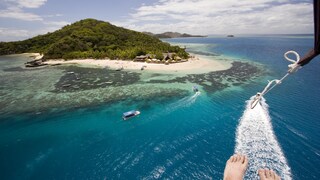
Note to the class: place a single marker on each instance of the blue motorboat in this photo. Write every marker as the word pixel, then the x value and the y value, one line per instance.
pixel 130 114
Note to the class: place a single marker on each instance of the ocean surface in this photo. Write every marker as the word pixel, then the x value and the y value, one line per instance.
pixel 65 122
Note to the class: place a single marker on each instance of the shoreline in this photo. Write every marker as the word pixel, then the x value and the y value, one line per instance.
pixel 197 65
pixel 33 55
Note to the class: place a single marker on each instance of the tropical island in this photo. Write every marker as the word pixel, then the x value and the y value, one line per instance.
pixel 90 38
pixel 99 43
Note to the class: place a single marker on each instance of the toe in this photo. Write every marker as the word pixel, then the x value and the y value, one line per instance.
pixel 272 174
pixel 232 158
pixel 245 161
pixel 241 159
pixel 237 158
pixel 268 174
pixel 262 173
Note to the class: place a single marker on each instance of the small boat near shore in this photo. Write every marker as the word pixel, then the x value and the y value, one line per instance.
pixel 195 89
pixel 130 114
pixel 142 68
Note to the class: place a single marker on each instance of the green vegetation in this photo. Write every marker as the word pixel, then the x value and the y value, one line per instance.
pixel 90 38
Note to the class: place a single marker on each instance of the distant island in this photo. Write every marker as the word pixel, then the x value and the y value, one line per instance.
pixel 172 35
pixel 90 38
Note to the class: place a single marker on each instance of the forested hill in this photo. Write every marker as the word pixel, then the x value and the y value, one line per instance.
pixel 90 38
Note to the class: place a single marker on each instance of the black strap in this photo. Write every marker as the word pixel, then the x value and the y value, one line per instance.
pixel 316 51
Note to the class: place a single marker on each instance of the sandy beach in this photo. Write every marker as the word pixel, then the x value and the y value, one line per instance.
pixel 195 65
pixel 33 55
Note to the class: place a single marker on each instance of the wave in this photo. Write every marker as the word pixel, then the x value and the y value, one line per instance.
pixel 256 139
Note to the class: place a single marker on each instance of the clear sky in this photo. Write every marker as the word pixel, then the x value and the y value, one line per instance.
pixel 21 19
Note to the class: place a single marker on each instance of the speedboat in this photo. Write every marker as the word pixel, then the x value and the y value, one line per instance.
pixel 256 100
pixel 259 95
pixel 130 114
pixel 195 89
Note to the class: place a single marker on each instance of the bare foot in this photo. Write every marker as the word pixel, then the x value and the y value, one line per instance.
pixel 236 167
pixel 266 174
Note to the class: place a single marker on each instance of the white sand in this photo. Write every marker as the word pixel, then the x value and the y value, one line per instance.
pixel 192 66
pixel 34 55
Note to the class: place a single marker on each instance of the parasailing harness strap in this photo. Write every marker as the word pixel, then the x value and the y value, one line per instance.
pixel 316 50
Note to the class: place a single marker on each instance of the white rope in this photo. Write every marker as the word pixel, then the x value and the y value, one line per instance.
pixel 293 67
pixel 279 82
pixel 292 60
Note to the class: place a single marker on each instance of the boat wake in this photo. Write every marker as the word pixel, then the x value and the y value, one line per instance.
pixel 192 99
pixel 256 139
pixel 182 103
pixel 185 102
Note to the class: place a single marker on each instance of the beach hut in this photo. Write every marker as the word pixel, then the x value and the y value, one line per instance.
pixel 140 58
pixel 144 57
pixel 168 56
pixel 177 58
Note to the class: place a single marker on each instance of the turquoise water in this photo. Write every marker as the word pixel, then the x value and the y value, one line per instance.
pixel 179 135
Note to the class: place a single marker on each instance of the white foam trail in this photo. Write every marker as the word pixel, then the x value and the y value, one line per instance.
pixel 184 102
pixel 256 139
pixel 192 99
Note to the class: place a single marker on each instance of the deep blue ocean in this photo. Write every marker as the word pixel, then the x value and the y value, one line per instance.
pixel 187 138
